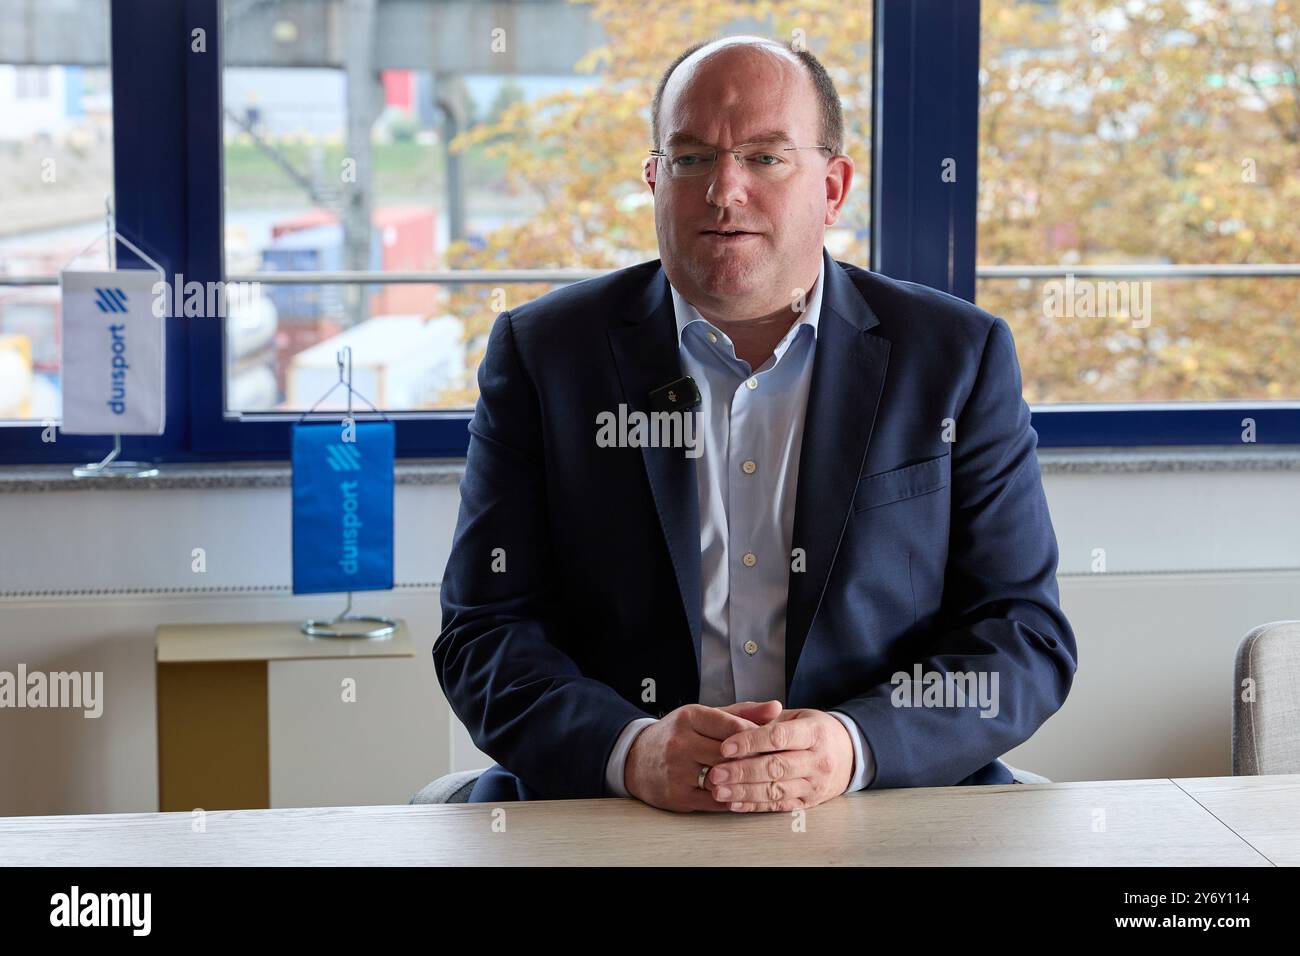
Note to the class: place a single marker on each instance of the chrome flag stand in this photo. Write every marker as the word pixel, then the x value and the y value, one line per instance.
pixel 338 626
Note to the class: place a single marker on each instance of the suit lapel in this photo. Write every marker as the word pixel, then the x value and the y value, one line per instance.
pixel 848 376
pixel 646 356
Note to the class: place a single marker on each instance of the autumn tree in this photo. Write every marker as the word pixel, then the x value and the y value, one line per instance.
pixel 1152 131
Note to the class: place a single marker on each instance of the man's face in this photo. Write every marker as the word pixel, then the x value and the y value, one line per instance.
pixel 730 98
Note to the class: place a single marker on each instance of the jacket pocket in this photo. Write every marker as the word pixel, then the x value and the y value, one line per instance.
pixel 900 483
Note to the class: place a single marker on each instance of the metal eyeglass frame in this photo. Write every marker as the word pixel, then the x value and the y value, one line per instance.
pixel 734 151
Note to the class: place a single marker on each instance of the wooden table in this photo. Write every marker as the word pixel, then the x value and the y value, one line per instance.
pixel 1217 821
pixel 213 745
pixel 1263 811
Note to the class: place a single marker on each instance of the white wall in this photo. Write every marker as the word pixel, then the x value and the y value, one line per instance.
pixel 1193 561
pixel 69 564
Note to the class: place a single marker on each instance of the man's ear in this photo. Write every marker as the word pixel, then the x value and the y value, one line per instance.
pixel 648 172
pixel 839 180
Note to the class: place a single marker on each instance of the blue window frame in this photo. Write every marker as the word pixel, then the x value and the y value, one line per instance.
pixel 168 182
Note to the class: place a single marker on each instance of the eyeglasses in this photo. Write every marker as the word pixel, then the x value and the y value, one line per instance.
pixel 764 160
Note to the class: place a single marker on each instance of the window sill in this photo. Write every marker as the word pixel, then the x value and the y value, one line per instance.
pixel 27 479
pixel 1195 459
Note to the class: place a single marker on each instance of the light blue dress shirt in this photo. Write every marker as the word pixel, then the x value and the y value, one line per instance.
pixel 752 433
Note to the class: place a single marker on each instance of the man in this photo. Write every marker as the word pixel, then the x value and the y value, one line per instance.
pixel 776 607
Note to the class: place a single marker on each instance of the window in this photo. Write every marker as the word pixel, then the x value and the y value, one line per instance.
pixel 437 138
pixel 1138 197
pixel 1146 141
pixel 56 175
pixel 400 213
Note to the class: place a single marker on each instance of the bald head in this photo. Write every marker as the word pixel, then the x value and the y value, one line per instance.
pixel 787 65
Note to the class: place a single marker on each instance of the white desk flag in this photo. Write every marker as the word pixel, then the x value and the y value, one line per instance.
pixel 113 354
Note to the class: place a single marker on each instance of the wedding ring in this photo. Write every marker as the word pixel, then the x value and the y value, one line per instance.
pixel 699 782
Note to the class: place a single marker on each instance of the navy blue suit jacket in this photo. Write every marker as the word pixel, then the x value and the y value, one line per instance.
pixel 918 549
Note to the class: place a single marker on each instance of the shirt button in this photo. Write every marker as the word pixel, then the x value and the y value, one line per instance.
pixel 751 648
pixel 752 383
pixel 749 467
pixel 750 559
pixel 712 337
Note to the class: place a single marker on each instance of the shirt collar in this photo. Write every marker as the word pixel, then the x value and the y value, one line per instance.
pixel 685 313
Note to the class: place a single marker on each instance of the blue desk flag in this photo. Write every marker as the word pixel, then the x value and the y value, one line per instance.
pixel 342 507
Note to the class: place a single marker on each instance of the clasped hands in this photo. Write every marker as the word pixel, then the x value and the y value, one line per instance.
pixel 761 758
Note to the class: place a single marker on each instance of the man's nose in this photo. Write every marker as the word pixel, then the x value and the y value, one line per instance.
pixel 729 182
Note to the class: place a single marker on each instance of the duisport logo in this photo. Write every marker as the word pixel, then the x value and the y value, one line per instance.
pixel 343 457
pixel 110 300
